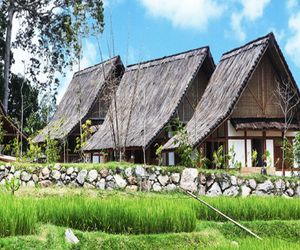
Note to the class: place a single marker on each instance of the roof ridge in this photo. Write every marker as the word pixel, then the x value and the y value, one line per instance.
pixel 169 56
pixel 269 35
pixel 79 72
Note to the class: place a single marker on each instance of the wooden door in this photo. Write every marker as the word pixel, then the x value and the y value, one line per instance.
pixel 278 154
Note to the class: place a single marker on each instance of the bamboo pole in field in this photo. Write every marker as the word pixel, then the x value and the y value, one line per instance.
pixel 224 215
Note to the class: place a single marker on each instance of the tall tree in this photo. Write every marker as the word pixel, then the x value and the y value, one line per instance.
pixel 51 31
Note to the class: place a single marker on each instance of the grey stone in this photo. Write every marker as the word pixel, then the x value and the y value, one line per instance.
pixel 261 193
pixel 25 176
pixel 70 170
pixel 210 179
pixel 202 190
pixel 224 182
pixel 252 183
pixel 131 188
pixel 156 187
pixel 35 178
pixel 132 180
pixel 109 178
pixel 9 177
pixel 63 176
pixel 81 176
pixel 45 183
pixel 128 172
pixel 57 166
pixel 297 191
pixel 2 175
pixel 104 172
pixel 17 174
pixel 189 179
pixel 233 180
pixel 163 179
pixel 202 179
pixel 45 172
pixel 120 181
pixel 73 176
pixel 152 177
pixel 265 187
pixel 92 176
pixel 101 184
pixel 171 187
pixel 280 185
pixel 55 174
pixel 146 185
pixel 232 191
pixel 140 171
pixel 290 192
pixel 110 185
pixel 70 237
pixel 240 181
pixel 214 190
pixel 245 191
pixel 12 169
pixel 175 177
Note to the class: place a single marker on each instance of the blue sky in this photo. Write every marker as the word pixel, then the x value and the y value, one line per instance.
pixel 147 29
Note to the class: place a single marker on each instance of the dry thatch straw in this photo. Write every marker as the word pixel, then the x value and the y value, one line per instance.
pixel 227 84
pixel 164 83
pixel 92 82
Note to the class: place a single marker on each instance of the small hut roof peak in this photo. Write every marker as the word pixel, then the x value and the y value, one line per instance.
pixel 254 43
pixel 169 58
pixel 96 66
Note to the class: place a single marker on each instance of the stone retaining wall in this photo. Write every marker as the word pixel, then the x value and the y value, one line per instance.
pixel 151 179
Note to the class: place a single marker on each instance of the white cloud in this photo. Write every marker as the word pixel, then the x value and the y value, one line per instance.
pixel 291 4
pixel 194 14
pixel 293 43
pixel 251 11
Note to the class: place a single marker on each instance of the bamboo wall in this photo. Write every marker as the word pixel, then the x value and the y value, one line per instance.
pixel 259 99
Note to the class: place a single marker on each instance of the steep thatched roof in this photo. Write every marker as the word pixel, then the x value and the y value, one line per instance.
pixel 79 98
pixel 147 98
pixel 226 85
pixel 9 126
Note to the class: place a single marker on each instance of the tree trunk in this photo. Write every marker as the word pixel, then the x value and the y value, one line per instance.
pixel 10 16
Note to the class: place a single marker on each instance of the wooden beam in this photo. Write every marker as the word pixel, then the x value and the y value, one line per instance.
pixel 246 149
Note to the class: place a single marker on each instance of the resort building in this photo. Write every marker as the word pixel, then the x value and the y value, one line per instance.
pixel 243 107
pixel 87 97
pixel 149 96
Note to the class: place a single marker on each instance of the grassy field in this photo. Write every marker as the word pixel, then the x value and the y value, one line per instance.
pixel 37 219
pixel 210 235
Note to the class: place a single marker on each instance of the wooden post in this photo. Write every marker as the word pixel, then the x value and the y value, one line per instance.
pixel 246 149
pixel 224 215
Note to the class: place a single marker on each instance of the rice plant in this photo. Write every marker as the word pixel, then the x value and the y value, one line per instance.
pixel 17 216
pixel 118 215
pixel 250 208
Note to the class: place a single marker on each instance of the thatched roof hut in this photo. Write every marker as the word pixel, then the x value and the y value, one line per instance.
pixel 11 129
pixel 147 98
pixel 80 98
pixel 227 84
